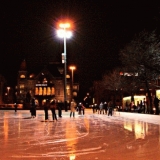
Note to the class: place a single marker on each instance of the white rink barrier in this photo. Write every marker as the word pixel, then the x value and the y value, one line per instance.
pixel 139 116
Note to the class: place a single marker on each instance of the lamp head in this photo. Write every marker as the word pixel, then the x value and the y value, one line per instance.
pixel 64 25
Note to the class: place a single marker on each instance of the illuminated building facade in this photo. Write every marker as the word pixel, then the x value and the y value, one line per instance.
pixel 48 84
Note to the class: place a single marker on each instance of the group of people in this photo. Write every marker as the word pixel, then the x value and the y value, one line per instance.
pixel 140 108
pixel 80 108
pixel 48 105
pixel 53 106
pixel 103 108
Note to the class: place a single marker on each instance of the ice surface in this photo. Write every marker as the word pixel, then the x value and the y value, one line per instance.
pixel 90 137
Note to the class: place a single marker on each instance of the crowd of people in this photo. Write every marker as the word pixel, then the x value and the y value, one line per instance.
pixel 52 106
pixel 103 108
pixel 142 106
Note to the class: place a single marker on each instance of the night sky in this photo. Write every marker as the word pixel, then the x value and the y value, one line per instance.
pixel 100 29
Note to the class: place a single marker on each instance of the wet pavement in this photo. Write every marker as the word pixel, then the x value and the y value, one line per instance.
pixel 90 137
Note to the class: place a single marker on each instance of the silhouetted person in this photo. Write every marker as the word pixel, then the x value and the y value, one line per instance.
pixel 53 110
pixel 15 107
pixel 110 108
pixel 73 108
pixel 79 108
pixel 33 108
pixel 156 104
pixel 101 108
pixel 105 107
pixel 144 105
pixel 94 108
pixel 83 109
pixel 66 106
pixel 46 107
pixel 59 106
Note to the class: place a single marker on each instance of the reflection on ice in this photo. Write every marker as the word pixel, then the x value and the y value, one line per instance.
pixel 86 137
pixel 72 157
pixel 140 128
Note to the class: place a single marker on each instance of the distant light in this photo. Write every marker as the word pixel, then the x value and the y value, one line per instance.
pixel 64 25
pixel 62 33
pixel 72 67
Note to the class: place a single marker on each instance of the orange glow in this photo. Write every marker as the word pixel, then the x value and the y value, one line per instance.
pixel 64 25
pixel 71 136
pixel 72 67
pixel 6 130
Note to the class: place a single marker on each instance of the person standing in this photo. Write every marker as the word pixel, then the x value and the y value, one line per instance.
pixel 33 108
pixel 80 108
pixel 53 110
pixel 144 106
pixel 83 109
pixel 101 108
pixel 94 108
pixel 105 107
pixel 73 108
pixel 110 108
pixel 15 109
pixel 59 106
pixel 156 104
pixel 46 106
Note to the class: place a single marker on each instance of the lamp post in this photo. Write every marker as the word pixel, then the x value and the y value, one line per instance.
pixel 63 33
pixel 8 88
pixel 72 68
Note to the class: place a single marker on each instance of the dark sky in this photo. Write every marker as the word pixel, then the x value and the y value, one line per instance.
pixel 100 30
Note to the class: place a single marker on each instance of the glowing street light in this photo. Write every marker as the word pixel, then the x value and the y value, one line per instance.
pixel 63 33
pixel 72 68
pixel 8 88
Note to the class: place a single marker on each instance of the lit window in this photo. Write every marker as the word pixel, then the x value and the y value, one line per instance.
pixel 44 80
pixel 36 91
pixel 22 76
pixel 68 90
pixel 21 86
pixel 31 75
pixel 75 87
pixel 40 90
pixel 53 91
pixel 48 91
pixel 44 91
pixel 75 94
pixel 67 87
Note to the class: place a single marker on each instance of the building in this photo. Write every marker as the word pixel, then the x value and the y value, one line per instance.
pixel 46 84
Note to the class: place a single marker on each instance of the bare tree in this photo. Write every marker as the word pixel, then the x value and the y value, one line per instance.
pixel 142 56
pixel 113 82
pixel 98 91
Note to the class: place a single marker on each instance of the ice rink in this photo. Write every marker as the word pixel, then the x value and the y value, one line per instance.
pixel 123 136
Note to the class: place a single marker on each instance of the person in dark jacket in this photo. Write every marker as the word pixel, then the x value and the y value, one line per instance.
pixel 156 104
pixel 33 108
pixel 53 110
pixel 110 108
pixel 59 107
pixel 46 106
pixel 105 107
pixel 80 108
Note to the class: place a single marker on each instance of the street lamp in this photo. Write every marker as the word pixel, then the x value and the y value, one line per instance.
pixel 63 33
pixel 72 68
pixel 8 88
